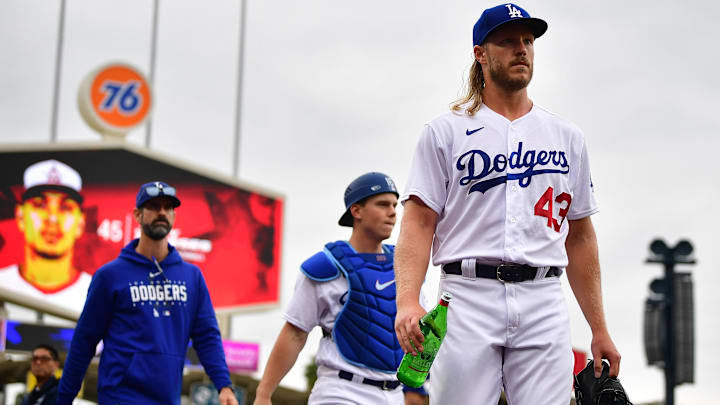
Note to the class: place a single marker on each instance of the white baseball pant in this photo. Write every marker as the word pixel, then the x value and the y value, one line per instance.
pixel 515 335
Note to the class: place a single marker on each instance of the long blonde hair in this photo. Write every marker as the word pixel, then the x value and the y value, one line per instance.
pixel 473 96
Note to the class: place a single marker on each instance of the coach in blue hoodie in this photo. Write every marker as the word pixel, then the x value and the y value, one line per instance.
pixel 145 306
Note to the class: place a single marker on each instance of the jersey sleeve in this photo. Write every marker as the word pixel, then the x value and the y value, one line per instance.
pixel 428 173
pixel 305 307
pixel 583 200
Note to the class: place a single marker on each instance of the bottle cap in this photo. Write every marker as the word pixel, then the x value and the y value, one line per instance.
pixel 446 296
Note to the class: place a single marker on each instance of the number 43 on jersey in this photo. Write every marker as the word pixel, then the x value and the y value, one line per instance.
pixel 544 208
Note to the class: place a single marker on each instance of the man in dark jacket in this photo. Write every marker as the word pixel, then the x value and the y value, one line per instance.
pixel 44 363
pixel 146 305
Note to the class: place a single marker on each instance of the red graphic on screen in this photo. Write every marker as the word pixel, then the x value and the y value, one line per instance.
pixel 233 235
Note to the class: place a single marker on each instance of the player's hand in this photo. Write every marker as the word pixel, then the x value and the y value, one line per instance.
pixel 407 328
pixel 227 397
pixel 602 347
pixel 414 398
pixel 262 401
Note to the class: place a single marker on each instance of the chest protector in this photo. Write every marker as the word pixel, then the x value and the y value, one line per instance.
pixel 364 331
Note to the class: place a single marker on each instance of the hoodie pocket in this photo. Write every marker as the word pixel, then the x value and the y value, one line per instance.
pixel 154 375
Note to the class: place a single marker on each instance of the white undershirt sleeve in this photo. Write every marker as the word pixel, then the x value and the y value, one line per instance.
pixel 304 309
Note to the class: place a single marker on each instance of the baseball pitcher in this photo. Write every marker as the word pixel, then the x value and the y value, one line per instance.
pixel 500 194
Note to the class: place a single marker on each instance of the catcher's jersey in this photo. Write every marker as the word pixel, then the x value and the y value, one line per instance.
pixel 503 190
pixel 319 304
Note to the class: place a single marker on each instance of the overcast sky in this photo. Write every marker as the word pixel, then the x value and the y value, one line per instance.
pixel 333 89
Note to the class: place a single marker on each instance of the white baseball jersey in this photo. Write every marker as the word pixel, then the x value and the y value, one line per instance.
pixel 503 190
pixel 71 297
pixel 319 304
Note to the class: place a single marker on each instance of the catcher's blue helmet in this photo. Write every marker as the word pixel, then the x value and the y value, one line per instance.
pixel 365 186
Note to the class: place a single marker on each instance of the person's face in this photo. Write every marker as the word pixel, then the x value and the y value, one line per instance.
pixel 156 217
pixel 507 56
pixel 377 216
pixel 51 223
pixel 42 364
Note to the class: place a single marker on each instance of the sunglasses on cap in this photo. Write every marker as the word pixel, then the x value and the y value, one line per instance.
pixel 148 191
pixel 154 191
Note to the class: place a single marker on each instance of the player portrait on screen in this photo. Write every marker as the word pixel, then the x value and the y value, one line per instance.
pixel 63 214
pixel 49 216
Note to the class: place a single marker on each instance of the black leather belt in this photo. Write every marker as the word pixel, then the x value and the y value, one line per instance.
pixel 514 273
pixel 383 385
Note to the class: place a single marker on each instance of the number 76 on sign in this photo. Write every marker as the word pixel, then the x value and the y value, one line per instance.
pixel 123 96
pixel 114 99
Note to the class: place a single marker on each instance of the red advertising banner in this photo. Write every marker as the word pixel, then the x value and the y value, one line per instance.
pixel 51 243
pixel 580 361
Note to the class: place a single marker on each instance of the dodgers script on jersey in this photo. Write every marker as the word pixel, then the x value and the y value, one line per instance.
pixel 504 190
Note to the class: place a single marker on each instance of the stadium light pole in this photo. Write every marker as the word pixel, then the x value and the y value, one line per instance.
pixel 151 76
pixel 238 100
pixel 669 257
pixel 58 66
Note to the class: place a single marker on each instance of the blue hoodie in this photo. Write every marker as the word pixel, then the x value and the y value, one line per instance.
pixel 145 319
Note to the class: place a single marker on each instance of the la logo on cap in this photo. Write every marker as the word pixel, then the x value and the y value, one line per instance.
pixel 514 12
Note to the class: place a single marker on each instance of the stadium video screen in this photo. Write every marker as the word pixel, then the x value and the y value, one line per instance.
pixel 59 222
pixel 24 337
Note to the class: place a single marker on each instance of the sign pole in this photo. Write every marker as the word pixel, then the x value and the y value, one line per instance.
pixel 151 77
pixel 224 324
pixel 238 102
pixel 58 66
pixel 670 328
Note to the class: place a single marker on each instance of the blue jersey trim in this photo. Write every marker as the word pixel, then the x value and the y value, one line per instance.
pixel 320 267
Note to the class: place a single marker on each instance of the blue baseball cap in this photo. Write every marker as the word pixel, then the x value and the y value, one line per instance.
pixel 154 189
pixel 367 185
pixel 495 17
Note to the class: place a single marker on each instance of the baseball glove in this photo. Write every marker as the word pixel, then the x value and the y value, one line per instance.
pixel 599 391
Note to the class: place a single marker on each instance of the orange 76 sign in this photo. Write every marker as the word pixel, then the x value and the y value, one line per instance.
pixel 114 99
